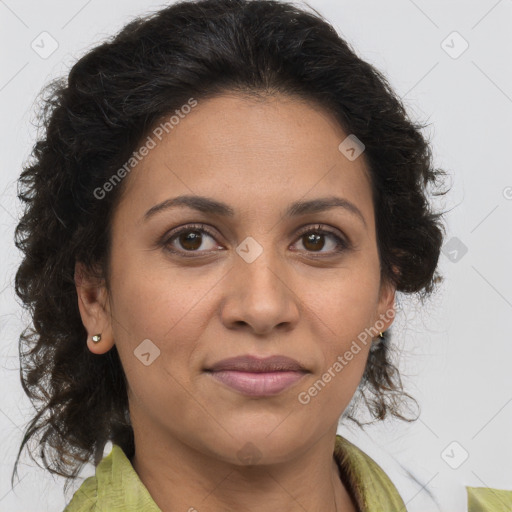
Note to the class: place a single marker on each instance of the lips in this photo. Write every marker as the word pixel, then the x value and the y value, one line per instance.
pixel 255 364
pixel 257 377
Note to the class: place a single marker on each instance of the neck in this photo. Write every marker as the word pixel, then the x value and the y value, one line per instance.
pixel 181 477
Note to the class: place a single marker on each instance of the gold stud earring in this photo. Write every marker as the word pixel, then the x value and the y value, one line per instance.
pixel 96 338
pixel 381 335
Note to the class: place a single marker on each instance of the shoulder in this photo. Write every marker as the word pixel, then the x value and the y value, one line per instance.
pixel 85 498
pixel 374 490
pixel 371 487
pixel 485 499
pixel 115 487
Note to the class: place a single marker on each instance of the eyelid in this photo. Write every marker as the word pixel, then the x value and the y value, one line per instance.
pixel 343 241
pixel 323 228
pixel 169 235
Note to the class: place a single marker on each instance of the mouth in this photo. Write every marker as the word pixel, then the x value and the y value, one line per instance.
pixel 258 383
pixel 258 377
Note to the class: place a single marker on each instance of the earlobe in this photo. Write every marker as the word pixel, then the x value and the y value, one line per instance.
pixel 105 341
pixel 92 303
pixel 387 309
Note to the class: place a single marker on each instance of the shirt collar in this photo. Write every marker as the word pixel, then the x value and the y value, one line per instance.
pixel 116 485
pixel 366 482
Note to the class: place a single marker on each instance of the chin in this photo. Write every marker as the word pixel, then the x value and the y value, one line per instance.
pixel 260 442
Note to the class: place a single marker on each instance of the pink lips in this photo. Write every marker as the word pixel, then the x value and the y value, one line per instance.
pixel 258 377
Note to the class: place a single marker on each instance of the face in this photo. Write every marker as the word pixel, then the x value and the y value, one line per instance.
pixel 203 285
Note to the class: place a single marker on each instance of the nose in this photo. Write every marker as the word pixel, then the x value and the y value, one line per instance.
pixel 259 296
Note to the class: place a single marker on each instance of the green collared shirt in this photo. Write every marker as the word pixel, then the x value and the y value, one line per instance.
pixel 116 487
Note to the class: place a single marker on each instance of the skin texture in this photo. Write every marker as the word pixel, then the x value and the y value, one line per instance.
pixel 258 157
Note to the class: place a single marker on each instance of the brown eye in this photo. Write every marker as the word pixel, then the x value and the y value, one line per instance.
pixel 190 240
pixel 198 240
pixel 313 242
pixel 193 240
pixel 315 239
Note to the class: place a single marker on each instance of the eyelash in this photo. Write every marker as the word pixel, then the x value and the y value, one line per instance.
pixel 341 243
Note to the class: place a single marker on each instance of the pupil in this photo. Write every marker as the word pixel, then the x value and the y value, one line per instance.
pixel 314 239
pixel 191 240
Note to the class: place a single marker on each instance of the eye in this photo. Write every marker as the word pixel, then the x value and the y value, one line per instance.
pixel 313 239
pixel 191 238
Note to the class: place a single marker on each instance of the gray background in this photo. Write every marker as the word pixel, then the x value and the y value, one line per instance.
pixel 456 350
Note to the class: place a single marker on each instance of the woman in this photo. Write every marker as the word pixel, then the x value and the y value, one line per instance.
pixel 224 204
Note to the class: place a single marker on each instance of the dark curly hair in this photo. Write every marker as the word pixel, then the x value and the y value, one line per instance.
pixel 92 123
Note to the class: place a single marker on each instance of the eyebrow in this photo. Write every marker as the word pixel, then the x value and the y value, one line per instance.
pixel 213 207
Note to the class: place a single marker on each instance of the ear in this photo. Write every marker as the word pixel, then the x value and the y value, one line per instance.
pixel 386 306
pixel 93 305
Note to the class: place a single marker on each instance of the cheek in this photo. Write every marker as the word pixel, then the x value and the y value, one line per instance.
pixel 170 311
pixel 346 303
pixel 344 312
pixel 170 308
pixel 154 299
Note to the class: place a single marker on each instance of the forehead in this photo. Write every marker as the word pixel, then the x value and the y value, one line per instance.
pixel 251 150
